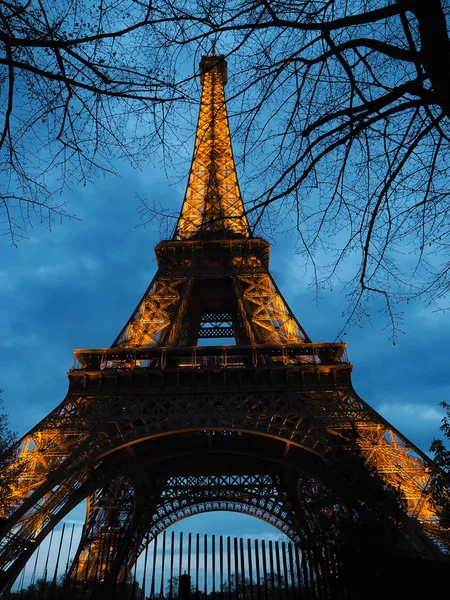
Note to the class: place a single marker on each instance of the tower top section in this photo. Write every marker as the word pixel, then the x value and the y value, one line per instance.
pixel 212 206
pixel 208 63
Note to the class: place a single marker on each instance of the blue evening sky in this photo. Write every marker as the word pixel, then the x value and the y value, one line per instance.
pixel 75 287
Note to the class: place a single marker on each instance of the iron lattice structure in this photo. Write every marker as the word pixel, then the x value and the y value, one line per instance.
pixel 157 428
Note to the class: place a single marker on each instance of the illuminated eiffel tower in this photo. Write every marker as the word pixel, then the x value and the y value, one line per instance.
pixel 157 428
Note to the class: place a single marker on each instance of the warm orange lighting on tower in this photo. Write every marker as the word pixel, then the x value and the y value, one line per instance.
pixel 213 201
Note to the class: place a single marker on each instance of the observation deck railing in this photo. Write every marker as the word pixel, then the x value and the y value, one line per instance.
pixel 210 357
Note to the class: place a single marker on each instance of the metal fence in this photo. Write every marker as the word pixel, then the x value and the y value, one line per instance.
pixel 177 565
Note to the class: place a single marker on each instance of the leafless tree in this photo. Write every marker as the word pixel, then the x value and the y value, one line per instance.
pixel 343 109
pixel 83 82
pixel 440 483
pixel 10 468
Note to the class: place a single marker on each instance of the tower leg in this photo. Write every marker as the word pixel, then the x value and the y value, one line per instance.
pixel 117 520
pixel 19 545
pixel 108 515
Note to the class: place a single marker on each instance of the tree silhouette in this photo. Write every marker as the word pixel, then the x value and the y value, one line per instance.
pixel 341 109
pixel 10 467
pixel 82 82
pixel 440 483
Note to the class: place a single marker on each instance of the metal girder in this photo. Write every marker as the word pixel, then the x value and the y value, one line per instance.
pixel 214 325
pixel 111 543
pixel 254 310
pixel 262 495
pixel 268 310
pixel 154 314
pixel 253 494
pixel 305 419
pixel 302 421
pixel 108 515
pixel 213 201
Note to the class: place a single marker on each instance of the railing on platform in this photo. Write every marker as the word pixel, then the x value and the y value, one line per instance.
pixel 209 357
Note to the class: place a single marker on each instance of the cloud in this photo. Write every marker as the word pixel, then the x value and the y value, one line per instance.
pixel 416 421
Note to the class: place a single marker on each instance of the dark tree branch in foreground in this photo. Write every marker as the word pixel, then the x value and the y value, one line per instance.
pixel 83 83
pixel 10 468
pixel 441 480
pixel 341 110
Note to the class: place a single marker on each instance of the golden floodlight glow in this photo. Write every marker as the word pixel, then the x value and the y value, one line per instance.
pixel 213 201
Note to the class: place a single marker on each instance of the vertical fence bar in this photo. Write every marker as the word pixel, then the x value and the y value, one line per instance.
pixel 278 572
pixel 172 548
pixel 285 570
pixel 298 565
pixel 197 563
pixel 241 548
pixel 86 573
pixel 73 580
pixel 163 560
pixel 111 545
pixel 323 574
pixel 21 580
pixel 44 580
pixel 316 572
pixel 303 570
pixel 129 573
pixel 33 574
pixel 112 538
pixel 133 589
pixel 189 553
pixel 68 553
pixel 98 565
pixel 55 575
pixel 221 565
pixel 296 589
pixel 345 586
pixel 309 572
pixel 144 578
pixel 236 566
pixel 330 571
pixel 205 564
pixel 279 579
pixel 272 568
pixel 155 550
pixel 250 566
pixel 295 572
pixel 326 573
pixel 264 560
pixel 339 585
pixel 258 574
pixel 180 563
pixel 124 582
pixel 213 556
pixel 229 566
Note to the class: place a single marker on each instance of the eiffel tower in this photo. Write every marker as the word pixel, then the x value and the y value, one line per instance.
pixel 157 427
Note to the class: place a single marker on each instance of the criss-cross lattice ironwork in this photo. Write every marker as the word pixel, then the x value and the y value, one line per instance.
pixel 212 203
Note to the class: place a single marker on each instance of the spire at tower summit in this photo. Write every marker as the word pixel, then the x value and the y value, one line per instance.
pixel 212 204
